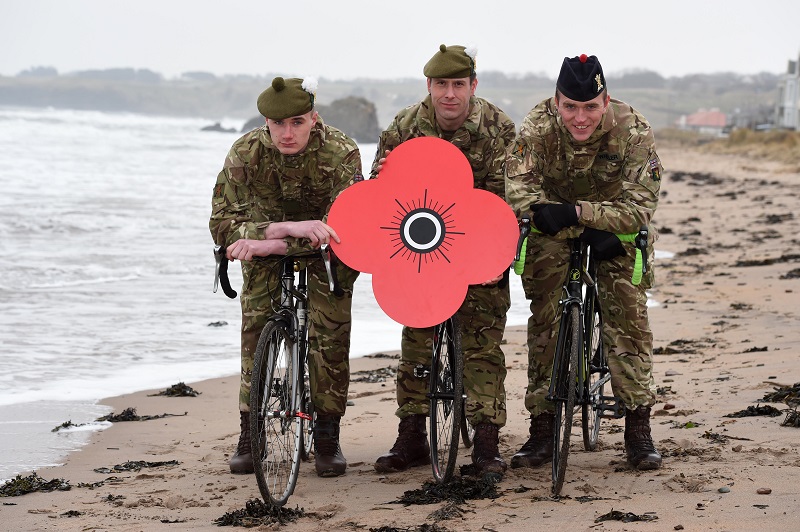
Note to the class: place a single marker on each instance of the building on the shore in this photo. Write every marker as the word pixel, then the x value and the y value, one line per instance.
pixel 787 107
pixel 705 121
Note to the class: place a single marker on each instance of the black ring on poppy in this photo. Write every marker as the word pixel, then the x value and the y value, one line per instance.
pixel 422 230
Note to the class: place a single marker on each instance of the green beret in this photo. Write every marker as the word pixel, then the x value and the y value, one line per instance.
pixel 581 78
pixel 287 97
pixel 451 62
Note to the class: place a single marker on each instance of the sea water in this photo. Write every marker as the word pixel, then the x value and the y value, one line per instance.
pixel 107 272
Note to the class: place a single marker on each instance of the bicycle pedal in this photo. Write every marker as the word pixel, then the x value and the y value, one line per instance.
pixel 611 407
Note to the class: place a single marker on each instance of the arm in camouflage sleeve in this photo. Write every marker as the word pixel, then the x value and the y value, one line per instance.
pixel 231 217
pixel 523 170
pixel 639 197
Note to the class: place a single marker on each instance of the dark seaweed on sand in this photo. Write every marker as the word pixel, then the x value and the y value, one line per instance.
pixel 134 466
pixel 21 485
pixel 625 517
pixel 129 414
pixel 178 390
pixel 458 490
pixel 759 410
pixel 256 513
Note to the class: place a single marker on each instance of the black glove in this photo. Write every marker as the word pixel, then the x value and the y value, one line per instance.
pixel 605 245
pixel 550 219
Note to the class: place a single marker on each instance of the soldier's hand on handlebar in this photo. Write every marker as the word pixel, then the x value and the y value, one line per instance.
pixel 550 219
pixel 605 245
pixel 246 249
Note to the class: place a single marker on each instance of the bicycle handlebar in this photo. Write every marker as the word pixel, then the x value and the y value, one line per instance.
pixel 638 239
pixel 221 272
pixel 328 258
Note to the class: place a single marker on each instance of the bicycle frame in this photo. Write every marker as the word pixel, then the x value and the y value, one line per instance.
pixel 294 308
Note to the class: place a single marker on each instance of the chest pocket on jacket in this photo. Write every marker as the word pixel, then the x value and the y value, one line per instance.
pixel 607 176
pixel 292 196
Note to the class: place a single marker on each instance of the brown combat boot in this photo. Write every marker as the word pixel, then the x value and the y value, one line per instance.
pixel 485 454
pixel 328 458
pixel 639 446
pixel 241 462
pixel 411 448
pixel 538 449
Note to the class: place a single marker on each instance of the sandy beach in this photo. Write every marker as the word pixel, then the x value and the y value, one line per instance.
pixel 726 334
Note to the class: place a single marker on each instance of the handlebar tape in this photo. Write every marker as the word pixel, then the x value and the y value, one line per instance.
pixel 224 282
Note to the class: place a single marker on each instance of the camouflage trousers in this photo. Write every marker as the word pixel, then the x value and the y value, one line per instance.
pixel 483 320
pixel 626 334
pixel 328 335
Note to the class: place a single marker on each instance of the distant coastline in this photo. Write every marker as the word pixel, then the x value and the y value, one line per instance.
pixel 204 95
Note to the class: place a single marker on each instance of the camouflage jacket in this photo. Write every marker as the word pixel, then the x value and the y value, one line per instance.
pixel 258 185
pixel 614 175
pixel 483 138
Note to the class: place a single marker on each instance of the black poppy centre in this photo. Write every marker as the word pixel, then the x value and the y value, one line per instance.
pixel 422 230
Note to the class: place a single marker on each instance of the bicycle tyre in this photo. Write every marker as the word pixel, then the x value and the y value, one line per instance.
pixel 275 429
pixel 307 425
pixel 595 372
pixel 447 399
pixel 566 387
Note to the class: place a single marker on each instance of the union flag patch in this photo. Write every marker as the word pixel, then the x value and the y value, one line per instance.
pixel 655 169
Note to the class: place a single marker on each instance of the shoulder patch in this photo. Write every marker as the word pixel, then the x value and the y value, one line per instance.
pixel 219 190
pixel 655 169
pixel 519 149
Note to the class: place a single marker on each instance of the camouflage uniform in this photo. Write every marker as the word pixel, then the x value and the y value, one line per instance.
pixel 257 186
pixel 483 138
pixel 615 177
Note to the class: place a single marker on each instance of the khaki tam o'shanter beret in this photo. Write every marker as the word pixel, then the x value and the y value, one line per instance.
pixel 285 98
pixel 451 62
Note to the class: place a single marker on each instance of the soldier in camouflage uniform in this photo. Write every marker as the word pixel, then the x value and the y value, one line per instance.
pixel 271 198
pixel 483 133
pixel 586 166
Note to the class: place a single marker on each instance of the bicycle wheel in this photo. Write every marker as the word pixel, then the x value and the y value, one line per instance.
pixel 595 372
pixel 447 400
pixel 307 425
pixel 565 385
pixel 275 429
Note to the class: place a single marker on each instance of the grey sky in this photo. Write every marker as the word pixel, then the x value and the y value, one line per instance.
pixel 346 39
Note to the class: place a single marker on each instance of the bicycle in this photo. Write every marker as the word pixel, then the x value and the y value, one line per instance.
pixel 580 367
pixel 282 415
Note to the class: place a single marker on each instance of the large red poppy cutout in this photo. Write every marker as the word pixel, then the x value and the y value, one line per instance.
pixel 423 232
